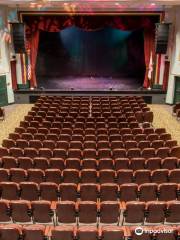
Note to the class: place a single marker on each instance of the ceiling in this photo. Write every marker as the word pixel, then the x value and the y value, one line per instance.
pixel 149 5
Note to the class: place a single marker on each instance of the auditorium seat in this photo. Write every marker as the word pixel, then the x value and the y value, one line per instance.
pixel 167 191
pixel 9 190
pixel 174 176
pixel 35 175
pixel 18 175
pixel 89 164
pixel 57 163
pixel 70 176
pixel 134 212
pixel 42 212
pixel 66 232
pixel 10 232
pixel 124 176
pixel 148 192
pixel 159 175
pixel 35 232
pixel 87 233
pixel 4 175
pixel 112 233
pixel 87 212
pixel 169 163
pixel 29 191
pixel 41 163
pixel 173 212
pixel 21 211
pixel 128 192
pixel 68 191
pixel 107 176
pixel 66 212
pixel 73 163
pixel 53 175
pixel 88 191
pixel 155 212
pixel 49 191
pixel 9 162
pixel 4 211
pixel 109 192
pixel 142 176
pixel 89 175
pixel 107 207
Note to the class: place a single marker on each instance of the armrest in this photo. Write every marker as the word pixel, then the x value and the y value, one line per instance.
pixel 53 205
pixel 123 205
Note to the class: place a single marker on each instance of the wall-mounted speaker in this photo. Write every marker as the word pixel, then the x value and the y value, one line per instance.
pixel 161 37
pixel 18 37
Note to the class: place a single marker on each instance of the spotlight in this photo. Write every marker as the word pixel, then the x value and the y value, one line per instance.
pixel 31 88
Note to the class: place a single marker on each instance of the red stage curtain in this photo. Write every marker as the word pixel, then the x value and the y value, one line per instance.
pixel 149 38
pixel 35 24
pixel 34 42
pixel 166 75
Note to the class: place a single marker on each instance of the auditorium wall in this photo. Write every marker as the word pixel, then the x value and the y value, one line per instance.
pixel 173 17
pixel 5 54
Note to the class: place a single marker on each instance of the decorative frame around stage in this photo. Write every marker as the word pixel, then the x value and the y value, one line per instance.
pixel 25 57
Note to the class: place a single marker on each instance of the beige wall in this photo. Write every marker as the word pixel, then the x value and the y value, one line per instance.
pixel 173 16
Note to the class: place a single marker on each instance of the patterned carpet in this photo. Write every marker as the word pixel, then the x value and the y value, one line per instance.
pixel 13 115
pixel 162 118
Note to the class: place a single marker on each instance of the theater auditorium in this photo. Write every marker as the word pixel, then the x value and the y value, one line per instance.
pixel 89 120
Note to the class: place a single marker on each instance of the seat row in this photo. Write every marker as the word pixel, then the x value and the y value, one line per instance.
pixel 87 137
pixel 90 212
pixel 89 191
pixel 161 152
pixel 41 232
pixel 62 123
pixel 43 163
pixel 51 144
pixel 84 115
pixel 92 131
pixel 90 175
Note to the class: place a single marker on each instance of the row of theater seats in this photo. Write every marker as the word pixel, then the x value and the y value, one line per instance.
pixel 143 134
pixel 43 163
pixel 89 191
pixel 90 175
pixel 105 129
pixel 51 144
pixel 135 115
pixel 89 141
pixel 89 212
pixel 40 232
pixel 73 124
pixel 161 152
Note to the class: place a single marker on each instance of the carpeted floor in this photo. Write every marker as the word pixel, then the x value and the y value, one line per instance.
pixel 162 118
pixel 14 114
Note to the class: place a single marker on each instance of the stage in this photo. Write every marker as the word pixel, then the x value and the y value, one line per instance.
pixel 90 83
pixel 31 95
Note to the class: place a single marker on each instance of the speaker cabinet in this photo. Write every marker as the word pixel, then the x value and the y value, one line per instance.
pixel 18 37
pixel 162 36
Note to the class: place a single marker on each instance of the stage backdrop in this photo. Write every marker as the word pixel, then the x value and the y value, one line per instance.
pixel 35 24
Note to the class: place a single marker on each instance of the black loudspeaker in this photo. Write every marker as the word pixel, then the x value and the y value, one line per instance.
pixel 18 37
pixel 162 36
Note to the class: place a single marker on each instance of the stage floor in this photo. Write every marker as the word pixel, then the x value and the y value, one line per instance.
pixel 89 83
